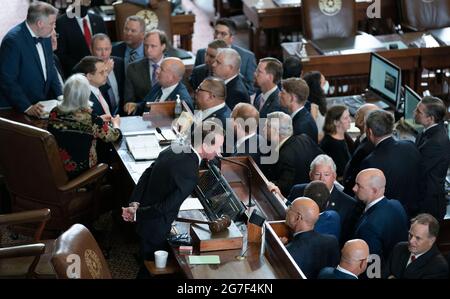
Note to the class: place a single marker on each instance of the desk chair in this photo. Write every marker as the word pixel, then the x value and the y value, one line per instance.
pixel 36 179
pixel 423 15
pixel 158 8
pixel 30 259
pixel 77 248
pixel 321 22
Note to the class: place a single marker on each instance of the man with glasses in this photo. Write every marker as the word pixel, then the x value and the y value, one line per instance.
pixel 353 262
pixel 210 100
pixel 132 47
pixel 27 69
pixel 323 169
pixel 311 250
pixel 225 29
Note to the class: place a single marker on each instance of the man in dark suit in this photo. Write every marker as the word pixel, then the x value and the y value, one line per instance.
pixel 310 250
pixel 293 96
pixel 291 155
pixel 419 258
pixel 131 49
pixel 58 67
pixel 210 101
pixel 245 123
pixel 101 48
pixel 226 66
pixel 27 70
pixel 267 77
pixel 434 146
pixel 384 222
pixel 164 186
pixel 95 70
pixel 141 75
pixel 323 169
pixel 363 147
pixel 169 87
pixel 292 67
pixel 203 71
pixel 399 161
pixel 353 262
pixel 75 34
pixel 225 29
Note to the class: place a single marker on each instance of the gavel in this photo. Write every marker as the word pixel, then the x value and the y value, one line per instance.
pixel 215 226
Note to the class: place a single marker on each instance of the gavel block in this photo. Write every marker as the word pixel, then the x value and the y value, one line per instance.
pixel 205 240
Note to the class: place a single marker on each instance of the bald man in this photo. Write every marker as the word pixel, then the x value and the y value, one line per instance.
pixel 384 222
pixel 311 250
pixel 363 147
pixel 169 86
pixel 353 262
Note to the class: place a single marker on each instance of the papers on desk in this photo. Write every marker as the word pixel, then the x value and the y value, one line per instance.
pixel 203 259
pixel 168 133
pixel 48 106
pixel 191 203
pixel 143 147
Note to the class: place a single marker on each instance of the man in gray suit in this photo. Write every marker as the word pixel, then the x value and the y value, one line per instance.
pixel 225 29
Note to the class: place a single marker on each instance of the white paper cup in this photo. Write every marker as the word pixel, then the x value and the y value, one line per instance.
pixel 161 258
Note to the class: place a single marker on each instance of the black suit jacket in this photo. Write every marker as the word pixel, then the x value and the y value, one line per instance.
pixel 431 265
pixel 292 167
pixel 160 191
pixel 271 105
pixel 348 208
pixel 199 73
pixel 434 147
pixel 222 114
pixel 119 49
pixel 72 46
pixel 137 81
pixel 304 123
pixel 313 251
pixel 119 73
pixel 363 149
pixel 236 92
pixel 382 226
pixel 399 161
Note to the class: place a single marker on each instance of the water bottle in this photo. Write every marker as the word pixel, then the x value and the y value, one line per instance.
pixel 178 107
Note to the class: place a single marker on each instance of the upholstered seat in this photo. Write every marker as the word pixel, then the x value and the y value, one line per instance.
pixel 424 15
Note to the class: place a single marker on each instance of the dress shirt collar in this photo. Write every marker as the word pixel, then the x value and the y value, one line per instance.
pixel 339 268
pixel 229 79
pixel 383 139
pixel 243 139
pixel 207 112
pixel 267 94
pixel 282 142
pixel 426 129
pixel 166 91
pixel 296 111
pixel 373 203
pixel 31 30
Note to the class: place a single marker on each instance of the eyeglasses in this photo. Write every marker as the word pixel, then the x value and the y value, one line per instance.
pixel 209 91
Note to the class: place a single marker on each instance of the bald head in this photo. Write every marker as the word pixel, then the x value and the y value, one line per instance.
pixel 354 256
pixel 303 214
pixel 369 185
pixel 171 71
pixel 361 114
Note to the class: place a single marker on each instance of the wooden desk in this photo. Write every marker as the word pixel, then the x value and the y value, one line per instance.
pixel 271 16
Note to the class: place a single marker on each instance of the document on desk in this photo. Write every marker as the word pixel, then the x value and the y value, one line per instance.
pixel 166 134
pixel 203 259
pixel 143 147
pixel 48 106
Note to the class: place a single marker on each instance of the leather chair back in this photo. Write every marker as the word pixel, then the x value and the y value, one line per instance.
pixel 77 255
pixel 161 8
pixel 422 15
pixel 323 21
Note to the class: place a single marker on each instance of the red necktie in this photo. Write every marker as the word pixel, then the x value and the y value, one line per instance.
pixel 87 32
pixel 413 258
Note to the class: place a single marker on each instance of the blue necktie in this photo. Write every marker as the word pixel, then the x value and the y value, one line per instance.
pixel 155 66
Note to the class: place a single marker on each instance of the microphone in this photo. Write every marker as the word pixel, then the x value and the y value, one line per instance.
pixel 249 177
pixel 165 141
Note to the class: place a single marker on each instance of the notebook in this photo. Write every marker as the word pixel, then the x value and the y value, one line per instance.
pixel 143 147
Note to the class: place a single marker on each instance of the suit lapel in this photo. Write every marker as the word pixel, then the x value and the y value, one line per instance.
pixel 32 45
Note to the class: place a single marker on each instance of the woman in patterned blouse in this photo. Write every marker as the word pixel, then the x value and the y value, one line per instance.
pixel 77 129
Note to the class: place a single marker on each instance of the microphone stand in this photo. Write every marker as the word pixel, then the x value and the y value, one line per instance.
pixel 165 141
pixel 249 177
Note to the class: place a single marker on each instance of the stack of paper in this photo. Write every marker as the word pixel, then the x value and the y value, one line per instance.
pixel 48 106
pixel 143 147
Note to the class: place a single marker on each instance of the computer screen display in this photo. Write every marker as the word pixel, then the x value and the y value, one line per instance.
pixel 384 78
pixel 411 101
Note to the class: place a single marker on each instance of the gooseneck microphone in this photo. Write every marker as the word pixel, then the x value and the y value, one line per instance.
pixel 165 141
pixel 249 177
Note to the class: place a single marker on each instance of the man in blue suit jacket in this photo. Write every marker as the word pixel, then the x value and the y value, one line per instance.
pixel 311 250
pixel 225 29
pixel 169 86
pixel 399 161
pixel 268 76
pixel 27 69
pixel 293 96
pixel 384 222
pixel 353 262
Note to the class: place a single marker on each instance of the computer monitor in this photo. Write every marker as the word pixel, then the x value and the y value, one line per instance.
pixel 385 79
pixel 411 101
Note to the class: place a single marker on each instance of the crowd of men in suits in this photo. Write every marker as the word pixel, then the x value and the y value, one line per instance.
pixel 387 181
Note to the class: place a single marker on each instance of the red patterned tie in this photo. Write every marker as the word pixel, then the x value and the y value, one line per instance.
pixel 87 32
pixel 413 258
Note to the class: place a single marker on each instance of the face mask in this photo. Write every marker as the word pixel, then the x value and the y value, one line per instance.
pixel 326 87
pixel 83 11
